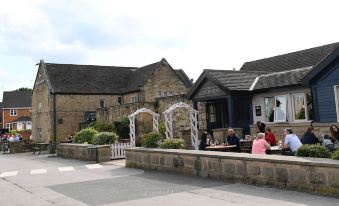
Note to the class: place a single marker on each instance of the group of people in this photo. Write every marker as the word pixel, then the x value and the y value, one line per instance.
pixel 265 139
pixel 11 138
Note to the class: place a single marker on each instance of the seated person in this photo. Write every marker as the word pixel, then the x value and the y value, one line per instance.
pixel 309 137
pixel 292 142
pixel 233 139
pixel 334 130
pixel 211 138
pixel 260 145
pixel 260 127
pixel 203 142
pixel 327 143
pixel 269 137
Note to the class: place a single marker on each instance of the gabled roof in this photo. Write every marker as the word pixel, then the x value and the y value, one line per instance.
pixel 93 79
pixel 280 79
pixel 184 78
pixel 16 99
pixel 295 60
pixel 228 80
pixel 321 66
pixel 233 80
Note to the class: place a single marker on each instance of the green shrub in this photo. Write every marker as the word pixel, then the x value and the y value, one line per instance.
pixel 173 144
pixel 313 151
pixel 122 128
pixel 103 138
pixel 102 127
pixel 85 135
pixel 335 155
pixel 151 140
pixel 162 129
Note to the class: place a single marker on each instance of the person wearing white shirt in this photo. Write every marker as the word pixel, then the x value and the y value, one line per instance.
pixel 292 142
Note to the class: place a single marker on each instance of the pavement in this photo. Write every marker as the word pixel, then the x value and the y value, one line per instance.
pixel 40 180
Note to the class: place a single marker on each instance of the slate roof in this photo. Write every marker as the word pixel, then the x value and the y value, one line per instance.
pixel 23 119
pixel 280 79
pixel 183 77
pixel 234 80
pixel 15 99
pixel 93 79
pixel 295 60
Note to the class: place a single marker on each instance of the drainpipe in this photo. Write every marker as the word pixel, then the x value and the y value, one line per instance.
pixel 54 122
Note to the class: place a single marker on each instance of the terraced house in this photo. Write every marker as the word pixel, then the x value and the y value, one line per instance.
pixel 16 111
pixel 67 96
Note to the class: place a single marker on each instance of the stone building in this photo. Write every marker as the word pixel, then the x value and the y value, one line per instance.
pixel 67 95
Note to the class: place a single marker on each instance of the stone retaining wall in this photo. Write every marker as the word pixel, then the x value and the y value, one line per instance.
pixel 319 176
pixel 85 152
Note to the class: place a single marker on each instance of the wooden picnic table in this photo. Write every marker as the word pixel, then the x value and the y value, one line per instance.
pixel 222 148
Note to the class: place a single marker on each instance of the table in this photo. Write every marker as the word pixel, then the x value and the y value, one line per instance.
pixel 39 147
pixel 276 150
pixel 222 148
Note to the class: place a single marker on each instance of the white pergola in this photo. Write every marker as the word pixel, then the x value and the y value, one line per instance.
pixel 193 115
pixel 131 118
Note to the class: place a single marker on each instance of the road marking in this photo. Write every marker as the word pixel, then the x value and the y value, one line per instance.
pixel 38 171
pixel 9 174
pixel 66 169
pixel 94 166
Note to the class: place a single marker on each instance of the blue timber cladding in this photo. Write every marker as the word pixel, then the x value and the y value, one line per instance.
pixel 323 87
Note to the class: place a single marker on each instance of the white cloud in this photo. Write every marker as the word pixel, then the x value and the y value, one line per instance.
pixel 192 35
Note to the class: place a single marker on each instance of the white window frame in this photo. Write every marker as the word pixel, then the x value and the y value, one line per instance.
pixel 9 126
pixel 305 108
pixel 13 112
pixel 273 97
pixel 286 111
pixel 134 99
pixel 336 94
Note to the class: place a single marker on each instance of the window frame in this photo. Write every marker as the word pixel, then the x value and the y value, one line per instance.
pixel 286 111
pixel 271 97
pixel 305 108
pixel 9 126
pixel 336 96
pixel 13 112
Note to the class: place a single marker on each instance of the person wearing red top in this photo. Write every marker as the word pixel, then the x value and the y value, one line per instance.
pixel 269 136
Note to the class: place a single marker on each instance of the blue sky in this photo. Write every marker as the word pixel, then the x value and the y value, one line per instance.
pixel 192 35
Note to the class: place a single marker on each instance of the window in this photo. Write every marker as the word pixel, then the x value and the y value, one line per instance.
pixel 269 111
pixel 211 112
pixel 280 109
pixel 134 99
pixel 19 126
pixel 336 91
pixel 120 100
pixel 39 107
pixel 9 126
pixel 28 125
pixel 299 107
pixel 102 103
pixel 13 112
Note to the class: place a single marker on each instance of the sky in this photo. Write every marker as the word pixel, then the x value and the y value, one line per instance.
pixel 191 35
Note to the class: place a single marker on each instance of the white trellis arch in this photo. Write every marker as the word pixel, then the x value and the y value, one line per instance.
pixel 132 122
pixel 193 114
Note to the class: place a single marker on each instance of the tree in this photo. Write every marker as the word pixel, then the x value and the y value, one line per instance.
pixel 24 89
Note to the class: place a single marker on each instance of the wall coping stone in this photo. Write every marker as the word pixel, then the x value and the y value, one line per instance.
pixel 308 161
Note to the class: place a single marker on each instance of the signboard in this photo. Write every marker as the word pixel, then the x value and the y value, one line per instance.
pixel 209 89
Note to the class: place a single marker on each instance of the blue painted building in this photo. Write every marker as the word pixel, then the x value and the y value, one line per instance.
pixel 324 83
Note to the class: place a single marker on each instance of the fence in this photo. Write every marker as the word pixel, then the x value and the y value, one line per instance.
pixel 118 150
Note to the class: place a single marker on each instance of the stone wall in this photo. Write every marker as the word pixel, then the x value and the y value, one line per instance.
pixel 42 109
pixel 85 152
pixel 319 176
pixel 298 128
